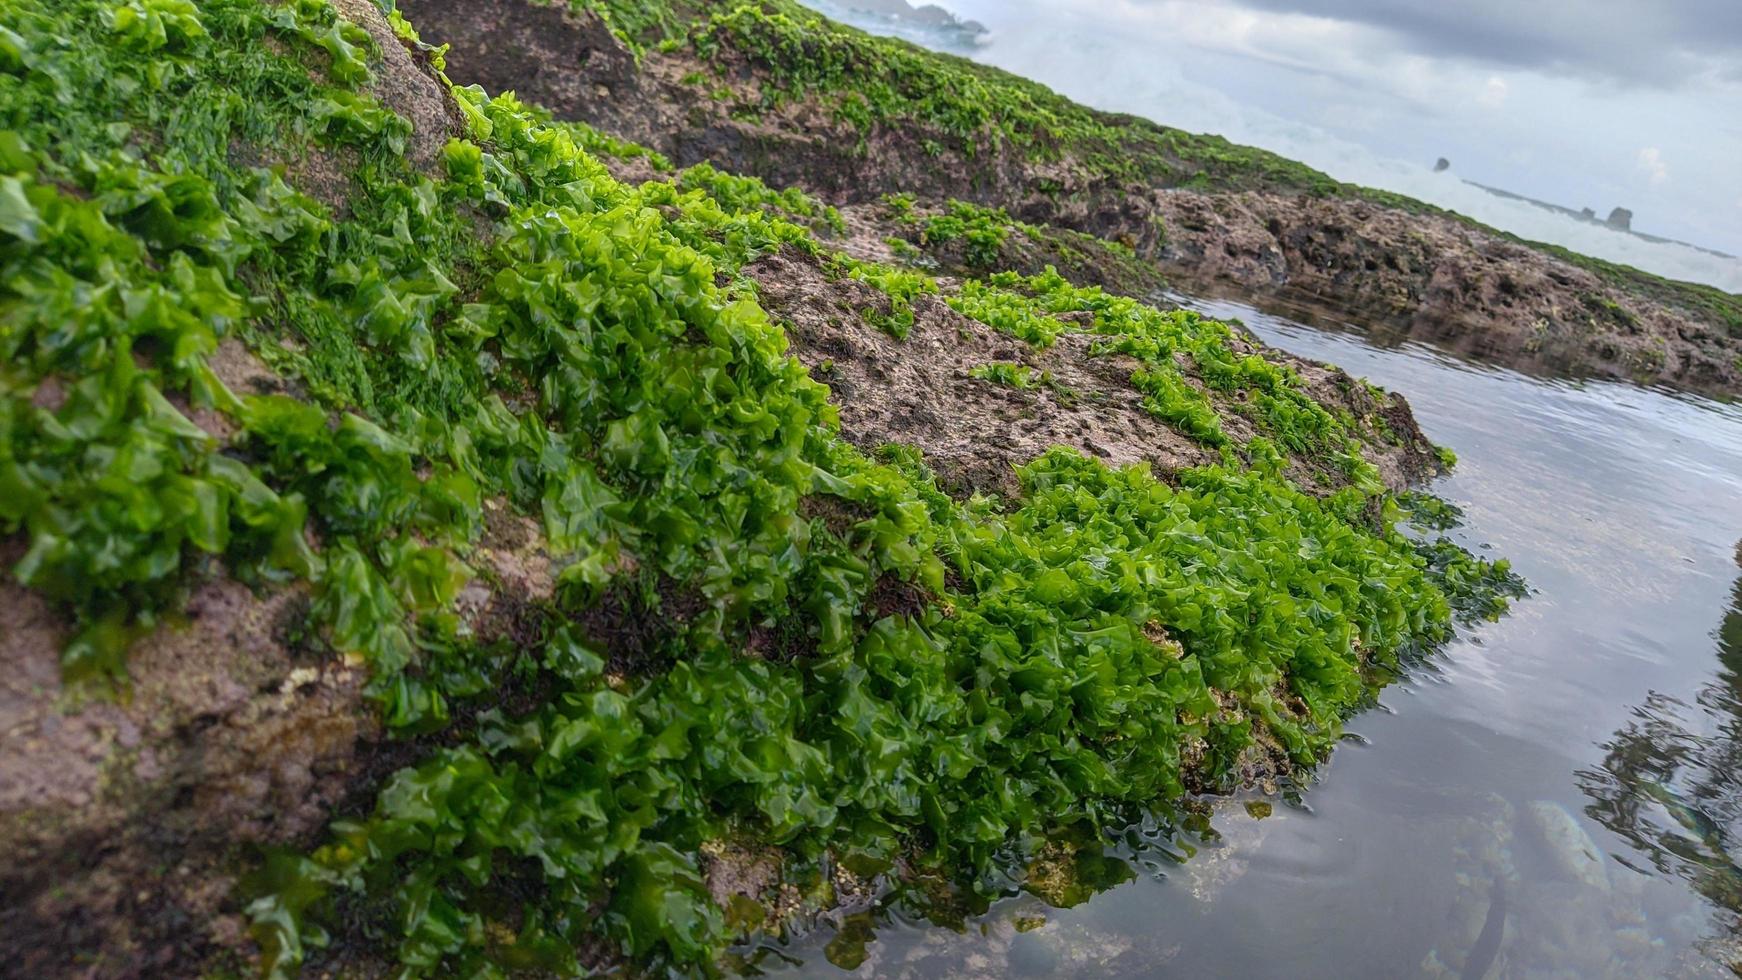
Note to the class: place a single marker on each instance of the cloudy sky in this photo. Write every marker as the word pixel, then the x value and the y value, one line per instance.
pixel 1585 103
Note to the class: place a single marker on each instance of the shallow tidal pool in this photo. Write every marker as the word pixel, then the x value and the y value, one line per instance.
pixel 1554 795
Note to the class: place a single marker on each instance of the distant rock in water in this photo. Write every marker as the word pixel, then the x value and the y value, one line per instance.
pixel 1442 165
pixel 933 15
pixel 1620 219
pixel 930 18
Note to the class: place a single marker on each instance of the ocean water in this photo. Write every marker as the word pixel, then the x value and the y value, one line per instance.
pixel 1177 85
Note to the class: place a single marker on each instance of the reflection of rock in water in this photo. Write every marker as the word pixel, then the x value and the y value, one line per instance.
pixel 1668 786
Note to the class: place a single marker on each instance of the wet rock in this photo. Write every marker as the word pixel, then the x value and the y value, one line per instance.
pixel 122 818
pixel 1436 278
pixel 405 86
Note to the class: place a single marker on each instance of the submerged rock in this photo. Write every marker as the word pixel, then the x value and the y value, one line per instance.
pixel 1484 875
pixel 1571 847
pixel 1544 911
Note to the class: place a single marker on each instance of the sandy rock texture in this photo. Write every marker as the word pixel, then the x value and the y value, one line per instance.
pixel 918 390
pixel 122 817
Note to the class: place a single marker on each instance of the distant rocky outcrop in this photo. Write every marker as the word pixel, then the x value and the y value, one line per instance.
pixel 1442 165
pixel 1620 219
pixel 929 17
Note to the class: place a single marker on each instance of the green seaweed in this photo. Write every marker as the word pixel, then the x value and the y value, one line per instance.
pixel 982 231
pixel 901 286
pixel 1014 375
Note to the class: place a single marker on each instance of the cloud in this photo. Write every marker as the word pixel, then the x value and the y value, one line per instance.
pixel 1652 42
pixel 1651 161
pixel 1365 59
pixel 1494 93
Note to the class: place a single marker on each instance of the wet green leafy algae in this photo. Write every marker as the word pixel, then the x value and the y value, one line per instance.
pixel 511 324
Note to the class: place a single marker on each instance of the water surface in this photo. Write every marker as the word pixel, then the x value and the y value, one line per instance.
pixel 1552 796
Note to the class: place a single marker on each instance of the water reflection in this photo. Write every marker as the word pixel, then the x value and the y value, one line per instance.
pixel 1671 784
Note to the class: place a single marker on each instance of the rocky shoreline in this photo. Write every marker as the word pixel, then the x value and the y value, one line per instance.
pixel 1416 269
pixel 1437 279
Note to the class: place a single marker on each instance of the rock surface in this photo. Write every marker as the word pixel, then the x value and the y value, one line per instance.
pixel 918 390
pixel 121 819
pixel 1573 850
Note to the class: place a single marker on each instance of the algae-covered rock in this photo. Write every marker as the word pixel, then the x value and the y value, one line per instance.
pixel 424 551
pixel 1208 212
